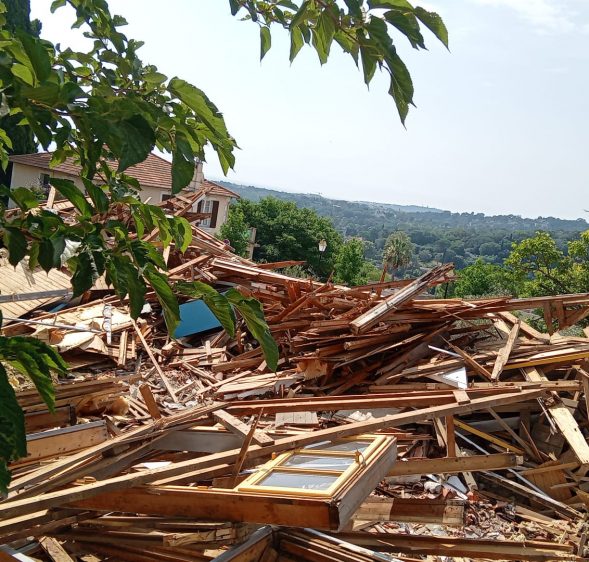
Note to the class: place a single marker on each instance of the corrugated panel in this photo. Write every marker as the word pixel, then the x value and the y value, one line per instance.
pixel 20 280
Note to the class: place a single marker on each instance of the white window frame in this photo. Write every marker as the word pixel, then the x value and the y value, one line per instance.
pixel 207 207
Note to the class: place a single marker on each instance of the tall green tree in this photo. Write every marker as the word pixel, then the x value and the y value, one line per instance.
pixel 18 19
pixel 397 253
pixel 236 230
pixel 481 279
pixel 350 263
pixel 108 110
pixel 287 232
pixel 537 266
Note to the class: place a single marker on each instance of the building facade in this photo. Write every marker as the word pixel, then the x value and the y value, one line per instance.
pixel 154 176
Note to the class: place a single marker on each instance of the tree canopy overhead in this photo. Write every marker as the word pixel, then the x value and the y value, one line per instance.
pixel 362 28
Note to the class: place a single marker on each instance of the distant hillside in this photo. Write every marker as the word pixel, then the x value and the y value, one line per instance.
pixel 254 193
pixel 437 235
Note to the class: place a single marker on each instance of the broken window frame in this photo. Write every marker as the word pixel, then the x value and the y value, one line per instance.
pixel 361 460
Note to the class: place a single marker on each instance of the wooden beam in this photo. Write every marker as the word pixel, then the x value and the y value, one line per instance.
pixel 489 437
pixel 389 305
pixel 456 546
pixel 56 442
pixel 474 365
pixel 450 437
pixel 237 427
pixel 455 465
pixel 150 402
pixel 505 351
pixel 219 505
pixel 151 356
pixel 54 550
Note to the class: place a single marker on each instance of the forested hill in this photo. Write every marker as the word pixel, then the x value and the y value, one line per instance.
pixel 437 235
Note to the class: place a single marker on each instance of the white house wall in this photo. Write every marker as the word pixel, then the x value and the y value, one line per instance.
pixel 29 176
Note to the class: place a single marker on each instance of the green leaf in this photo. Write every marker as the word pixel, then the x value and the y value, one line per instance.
pixel 403 4
pixel 35 359
pixel 37 55
pixel 155 77
pixel 265 41
pixel 234 6
pixel 408 25
pixel 296 42
pixel 324 33
pixel 300 15
pixel 182 171
pixel 182 233
pixel 354 7
pixel 139 140
pixel 251 311
pixel 200 104
pixel 434 23
pixel 368 63
pixel 5 475
pixel 159 283
pixel 50 250
pixel 24 73
pixel 16 243
pixel 24 198
pixel 83 277
pixel 13 441
pixel 98 196
pixel 217 302
pixel 72 193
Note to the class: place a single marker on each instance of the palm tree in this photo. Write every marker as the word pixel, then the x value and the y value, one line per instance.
pixel 398 251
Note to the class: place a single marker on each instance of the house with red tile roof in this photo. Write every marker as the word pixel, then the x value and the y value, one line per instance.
pixel 154 175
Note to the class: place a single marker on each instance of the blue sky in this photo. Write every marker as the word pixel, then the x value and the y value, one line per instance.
pixel 501 124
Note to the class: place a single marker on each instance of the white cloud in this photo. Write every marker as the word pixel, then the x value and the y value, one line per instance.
pixel 546 15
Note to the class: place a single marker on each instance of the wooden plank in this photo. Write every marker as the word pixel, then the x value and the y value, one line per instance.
pixel 54 550
pixel 389 305
pixel 453 465
pixel 237 427
pixel 505 351
pixel 474 365
pixel 243 451
pixel 411 510
pixel 477 549
pixel 219 505
pixel 151 356
pixel 56 442
pixel 150 402
pixel 489 437
pixel 450 437
pixel 44 419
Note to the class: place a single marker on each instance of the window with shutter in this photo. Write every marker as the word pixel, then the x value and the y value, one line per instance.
pixel 214 214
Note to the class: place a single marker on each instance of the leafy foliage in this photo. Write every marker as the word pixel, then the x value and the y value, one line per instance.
pixel 236 230
pixel 251 311
pixel 481 279
pixel 35 360
pixel 360 27
pixel 398 251
pixel 539 267
pixel 287 232
pixel 21 137
pixel 350 266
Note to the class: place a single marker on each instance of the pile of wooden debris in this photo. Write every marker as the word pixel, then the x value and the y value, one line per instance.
pixel 397 426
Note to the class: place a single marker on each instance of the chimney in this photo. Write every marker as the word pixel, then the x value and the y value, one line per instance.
pixel 198 178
